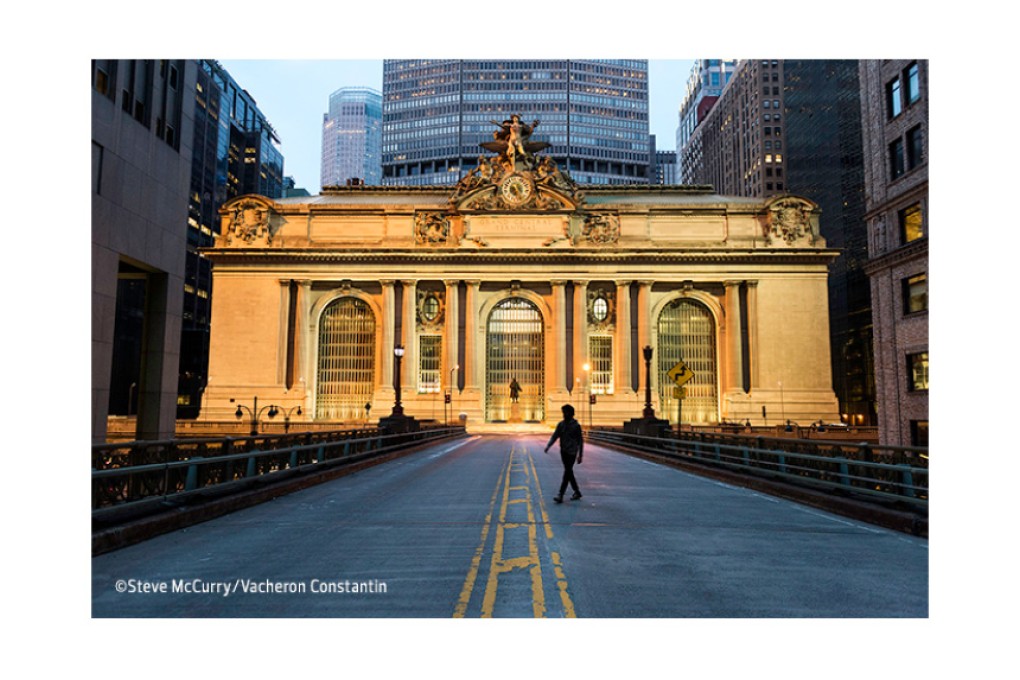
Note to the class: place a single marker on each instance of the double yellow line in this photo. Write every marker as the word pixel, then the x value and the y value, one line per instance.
pixel 520 464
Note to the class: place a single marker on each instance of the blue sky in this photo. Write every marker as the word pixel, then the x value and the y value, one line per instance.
pixel 293 94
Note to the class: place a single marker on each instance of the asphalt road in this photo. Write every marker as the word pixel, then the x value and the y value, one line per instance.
pixel 469 529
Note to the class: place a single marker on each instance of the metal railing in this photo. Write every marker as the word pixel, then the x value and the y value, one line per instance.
pixel 140 470
pixel 880 473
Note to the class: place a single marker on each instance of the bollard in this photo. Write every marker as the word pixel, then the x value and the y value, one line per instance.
pixel 781 457
pixel 191 481
pixel 251 471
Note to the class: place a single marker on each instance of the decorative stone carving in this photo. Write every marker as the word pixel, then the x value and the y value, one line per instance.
pixel 249 224
pixel 431 310
pixel 789 222
pixel 601 229
pixel 431 228
pixel 516 179
pixel 601 306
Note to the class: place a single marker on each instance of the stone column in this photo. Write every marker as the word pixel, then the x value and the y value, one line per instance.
pixel 622 360
pixel 471 349
pixel 580 327
pixel 644 315
pixel 303 338
pixel 752 332
pixel 283 340
pixel 388 331
pixel 734 349
pixel 559 343
pixel 450 336
pixel 409 364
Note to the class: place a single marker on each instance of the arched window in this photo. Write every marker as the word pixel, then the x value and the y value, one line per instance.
pixel 687 332
pixel 346 367
pixel 515 350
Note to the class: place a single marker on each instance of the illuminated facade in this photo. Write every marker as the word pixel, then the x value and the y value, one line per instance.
pixel 519 276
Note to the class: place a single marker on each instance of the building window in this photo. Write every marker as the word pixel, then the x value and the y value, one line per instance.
pixel 686 331
pixel 913 80
pixel 915 294
pixel 893 98
pixel 346 360
pixel 600 350
pixel 600 309
pixel 429 358
pixel 430 308
pixel 919 433
pixel 915 150
pixel 911 223
pixel 897 165
pixel 917 372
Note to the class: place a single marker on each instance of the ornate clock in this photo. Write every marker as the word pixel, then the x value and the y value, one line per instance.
pixel 516 189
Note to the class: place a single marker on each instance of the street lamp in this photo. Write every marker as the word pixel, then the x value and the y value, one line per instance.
pixel 649 412
pixel 587 383
pixel 255 413
pixel 286 417
pixel 398 409
pixel 453 410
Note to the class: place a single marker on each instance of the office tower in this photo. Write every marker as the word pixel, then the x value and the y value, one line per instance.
pixel 894 110
pixel 665 167
pixel 235 153
pixel 794 127
pixel 141 160
pixel 705 84
pixel 352 137
pixel 594 113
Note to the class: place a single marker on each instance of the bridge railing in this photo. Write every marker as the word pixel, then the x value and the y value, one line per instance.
pixel 882 473
pixel 141 470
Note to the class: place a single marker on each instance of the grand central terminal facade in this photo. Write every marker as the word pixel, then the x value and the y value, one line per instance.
pixel 519 276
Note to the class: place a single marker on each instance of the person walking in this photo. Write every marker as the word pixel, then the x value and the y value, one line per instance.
pixel 568 431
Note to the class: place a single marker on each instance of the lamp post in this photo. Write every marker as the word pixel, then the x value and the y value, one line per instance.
pixel 453 372
pixel 255 413
pixel 649 412
pixel 587 383
pixel 286 417
pixel 398 409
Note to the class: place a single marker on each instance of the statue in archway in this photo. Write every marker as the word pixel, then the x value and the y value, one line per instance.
pixel 515 390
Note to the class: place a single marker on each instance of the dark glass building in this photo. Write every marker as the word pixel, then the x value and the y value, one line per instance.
pixel 234 153
pixel 593 112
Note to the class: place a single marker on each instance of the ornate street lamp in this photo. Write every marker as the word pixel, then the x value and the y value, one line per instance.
pixel 255 413
pixel 649 412
pixel 587 382
pixel 398 409
pixel 286 417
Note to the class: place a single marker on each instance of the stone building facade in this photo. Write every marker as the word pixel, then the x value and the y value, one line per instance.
pixel 519 275
pixel 894 106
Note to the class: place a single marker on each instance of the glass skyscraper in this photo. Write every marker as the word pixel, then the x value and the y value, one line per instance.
pixel 594 113
pixel 235 152
pixel 352 137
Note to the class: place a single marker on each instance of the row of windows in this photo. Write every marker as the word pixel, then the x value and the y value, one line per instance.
pixel 903 90
pixel 906 153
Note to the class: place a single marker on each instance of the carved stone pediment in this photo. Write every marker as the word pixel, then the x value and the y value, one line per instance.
pixel 788 221
pixel 431 229
pixel 601 229
pixel 248 223
pixel 515 179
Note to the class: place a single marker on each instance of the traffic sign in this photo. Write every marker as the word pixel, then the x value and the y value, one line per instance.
pixel 679 392
pixel 680 374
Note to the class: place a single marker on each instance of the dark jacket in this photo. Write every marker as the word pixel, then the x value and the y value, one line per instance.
pixel 570 436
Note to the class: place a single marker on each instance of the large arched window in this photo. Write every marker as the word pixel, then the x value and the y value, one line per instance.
pixel 515 350
pixel 687 332
pixel 346 367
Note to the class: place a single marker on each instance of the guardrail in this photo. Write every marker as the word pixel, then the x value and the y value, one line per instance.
pixel 136 471
pixel 881 473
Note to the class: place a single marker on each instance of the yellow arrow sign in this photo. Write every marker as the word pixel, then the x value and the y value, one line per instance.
pixel 680 374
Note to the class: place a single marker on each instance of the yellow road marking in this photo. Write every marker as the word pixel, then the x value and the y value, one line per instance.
pixel 532 561
pixel 469 582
